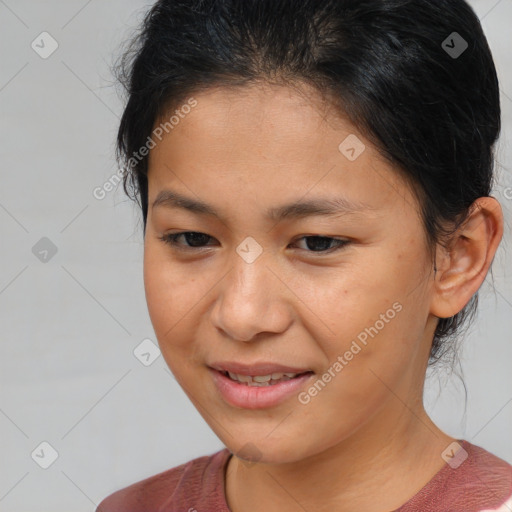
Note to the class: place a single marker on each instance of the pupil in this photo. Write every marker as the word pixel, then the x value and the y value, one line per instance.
pixel 324 242
pixel 199 238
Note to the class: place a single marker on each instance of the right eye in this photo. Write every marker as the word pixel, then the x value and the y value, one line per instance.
pixel 193 238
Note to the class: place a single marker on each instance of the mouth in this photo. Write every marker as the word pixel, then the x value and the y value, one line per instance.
pixel 263 380
pixel 259 391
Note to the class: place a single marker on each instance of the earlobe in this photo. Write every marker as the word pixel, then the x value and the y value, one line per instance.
pixel 462 268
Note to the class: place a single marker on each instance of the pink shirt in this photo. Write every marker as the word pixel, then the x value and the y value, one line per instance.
pixel 482 482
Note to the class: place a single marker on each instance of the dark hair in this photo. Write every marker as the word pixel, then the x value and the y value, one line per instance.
pixel 394 67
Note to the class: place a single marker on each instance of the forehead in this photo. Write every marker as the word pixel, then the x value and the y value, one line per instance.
pixel 297 108
pixel 271 143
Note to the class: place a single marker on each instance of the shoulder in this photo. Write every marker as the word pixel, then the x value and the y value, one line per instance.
pixel 472 480
pixel 169 487
pixel 484 471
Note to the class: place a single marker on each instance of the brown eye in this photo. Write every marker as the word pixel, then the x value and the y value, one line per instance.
pixel 323 243
pixel 193 239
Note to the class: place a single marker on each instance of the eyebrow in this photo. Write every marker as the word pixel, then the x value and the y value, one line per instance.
pixel 325 206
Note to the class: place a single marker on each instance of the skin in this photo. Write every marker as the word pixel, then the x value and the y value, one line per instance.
pixel 365 441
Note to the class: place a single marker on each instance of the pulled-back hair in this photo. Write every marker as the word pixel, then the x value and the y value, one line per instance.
pixel 395 68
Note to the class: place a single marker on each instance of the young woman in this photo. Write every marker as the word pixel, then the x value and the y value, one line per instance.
pixel 314 178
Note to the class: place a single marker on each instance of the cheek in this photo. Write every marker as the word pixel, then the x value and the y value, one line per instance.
pixel 374 312
pixel 363 373
pixel 170 293
pixel 349 298
pixel 169 296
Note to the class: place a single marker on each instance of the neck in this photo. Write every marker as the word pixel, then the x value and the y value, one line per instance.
pixel 377 469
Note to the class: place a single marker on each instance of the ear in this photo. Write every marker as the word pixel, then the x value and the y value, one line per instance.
pixel 461 269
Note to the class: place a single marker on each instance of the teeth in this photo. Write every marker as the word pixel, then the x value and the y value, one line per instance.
pixel 262 380
pixel 243 378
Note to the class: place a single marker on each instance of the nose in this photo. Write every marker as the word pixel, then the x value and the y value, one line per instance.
pixel 252 299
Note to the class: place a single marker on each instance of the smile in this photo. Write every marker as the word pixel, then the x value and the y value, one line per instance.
pixel 261 380
pixel 258 391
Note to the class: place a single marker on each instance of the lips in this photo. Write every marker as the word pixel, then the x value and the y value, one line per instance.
pixel 254 394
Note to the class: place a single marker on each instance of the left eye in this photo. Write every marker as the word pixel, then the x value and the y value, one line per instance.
pixel 195 240
pixel 322 243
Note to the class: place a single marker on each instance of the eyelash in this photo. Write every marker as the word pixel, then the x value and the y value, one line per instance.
pixel 171 239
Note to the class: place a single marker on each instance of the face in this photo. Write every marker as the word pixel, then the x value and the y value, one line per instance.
pixel 342 297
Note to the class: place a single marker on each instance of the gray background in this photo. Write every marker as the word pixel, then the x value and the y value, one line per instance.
pixel 70 323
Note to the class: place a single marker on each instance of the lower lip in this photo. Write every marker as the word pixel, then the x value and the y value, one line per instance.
pixel 256 397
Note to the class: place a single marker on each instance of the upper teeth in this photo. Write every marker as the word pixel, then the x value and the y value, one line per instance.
pixel 261 378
